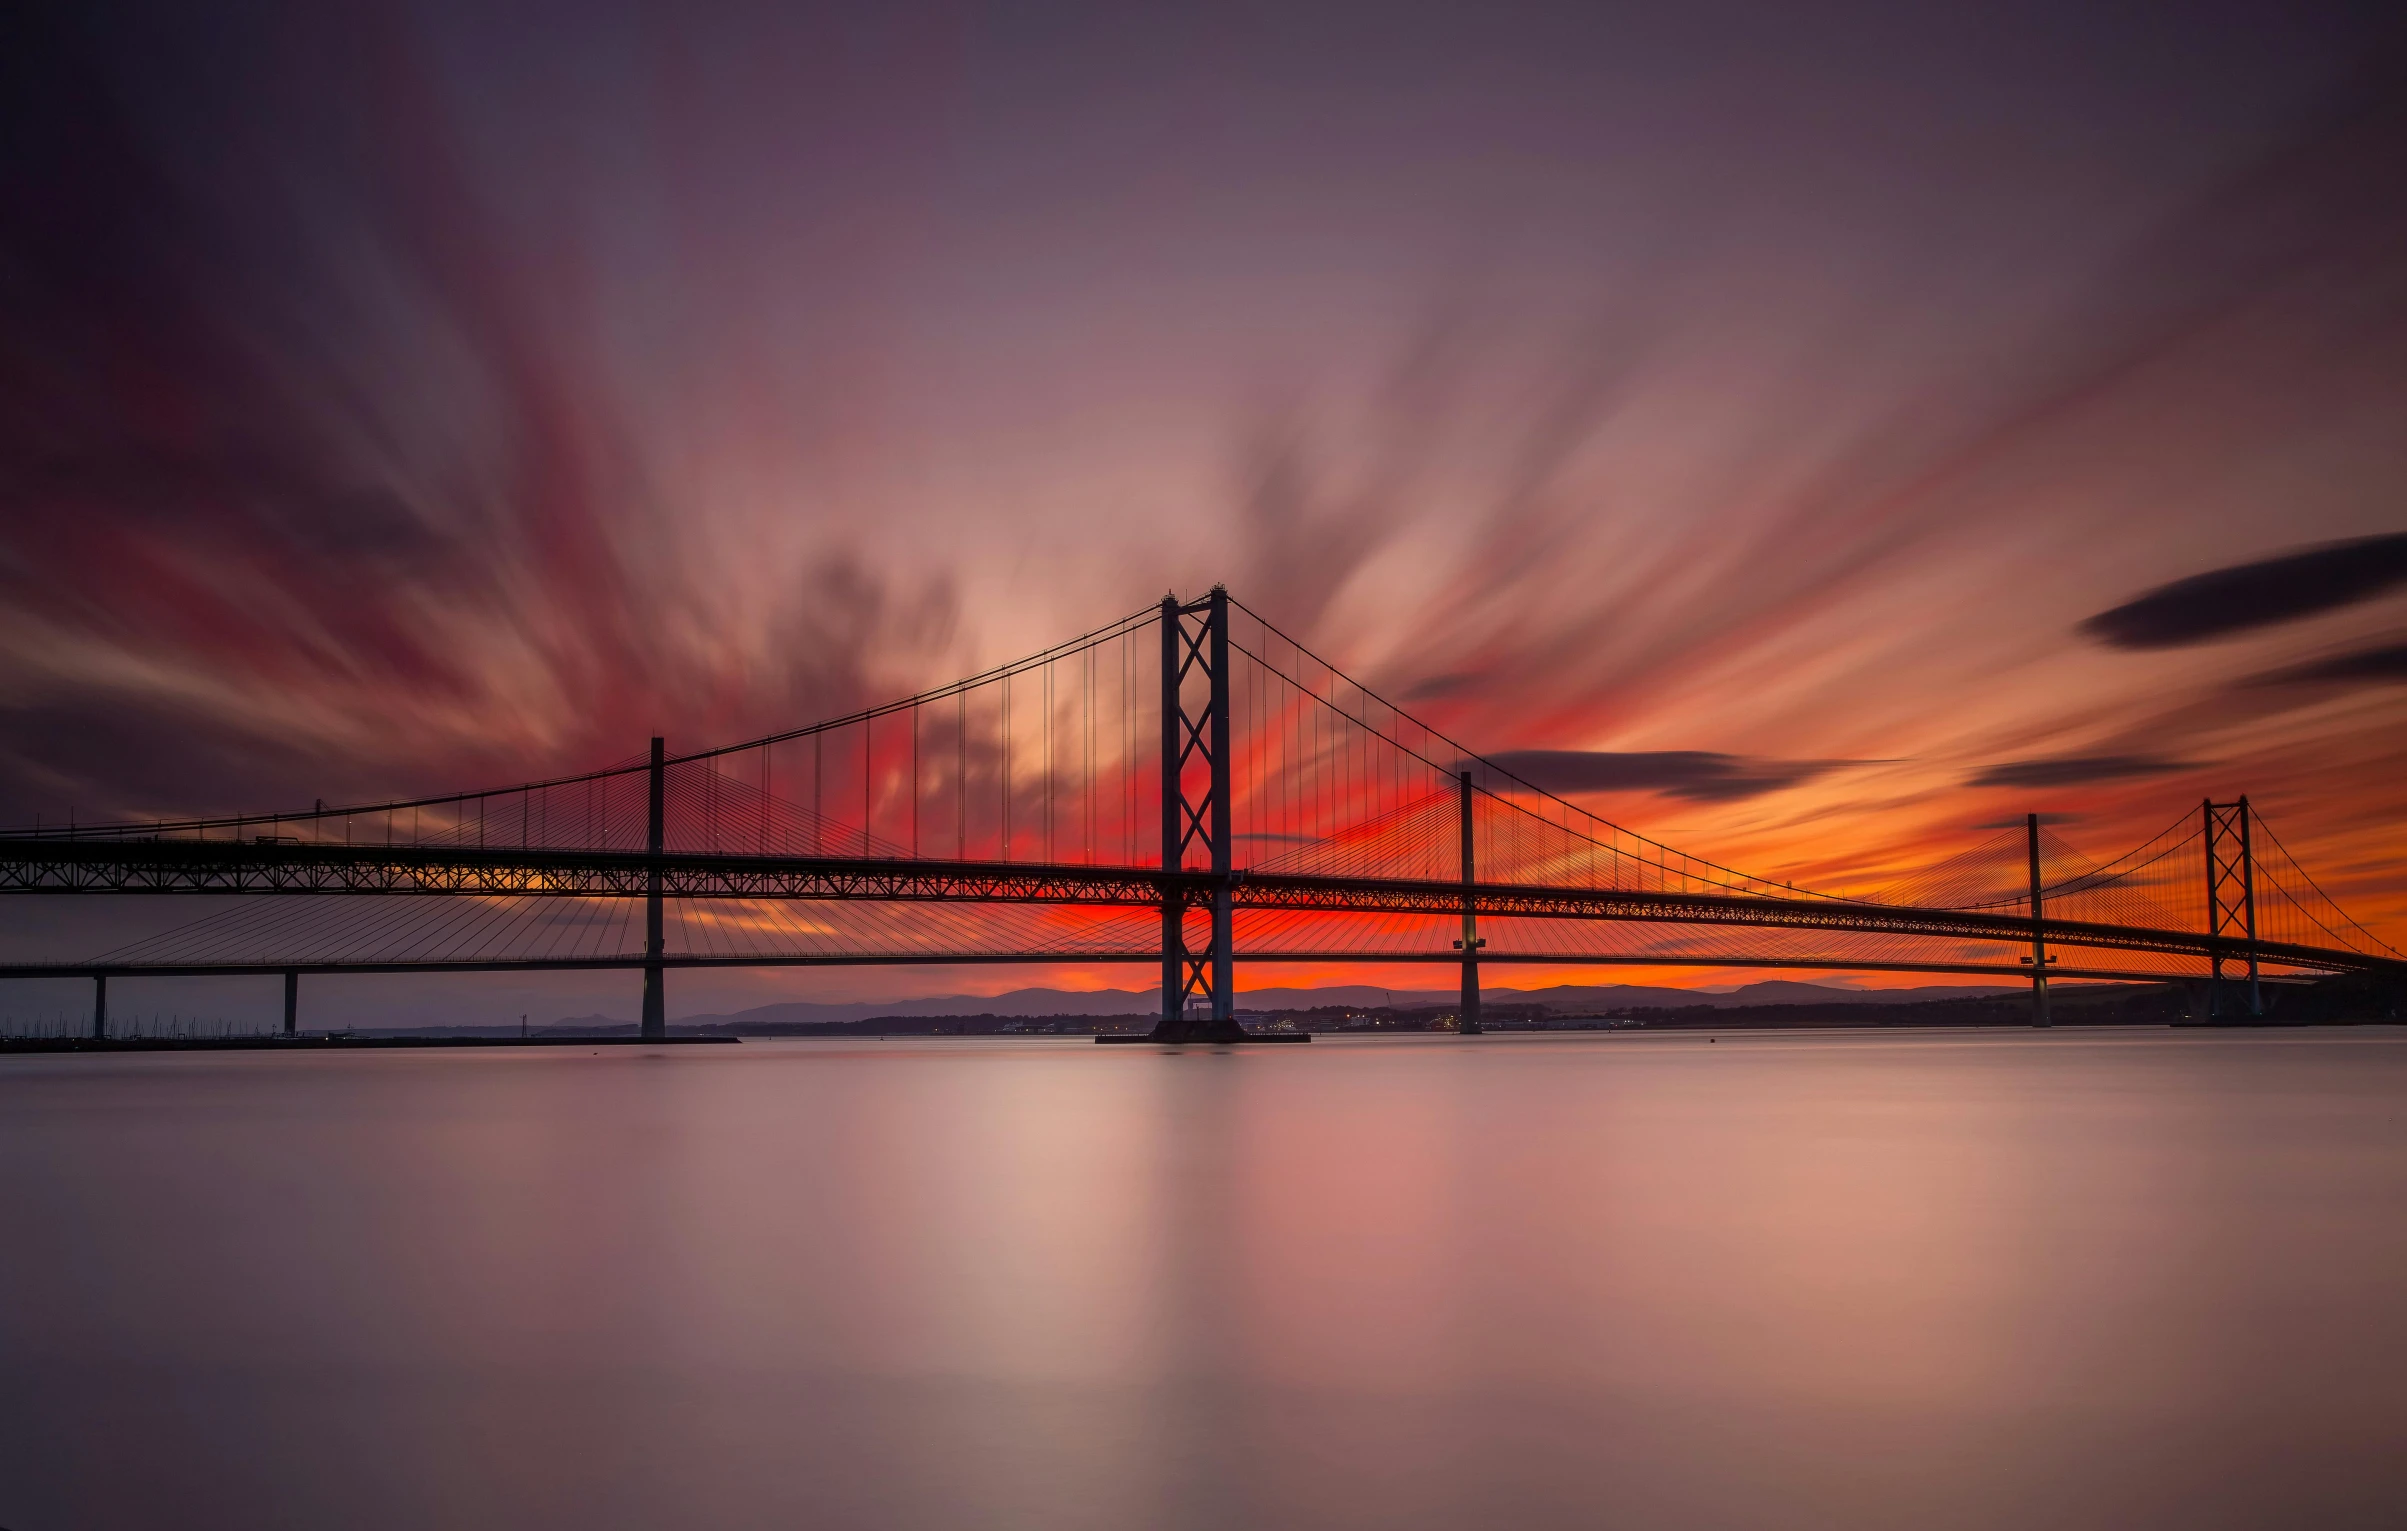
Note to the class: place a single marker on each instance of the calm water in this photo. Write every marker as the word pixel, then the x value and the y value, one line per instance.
pixel 2013 1280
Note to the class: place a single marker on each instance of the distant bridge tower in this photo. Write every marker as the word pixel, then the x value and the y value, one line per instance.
pixel 2231 900
pixel 2039 958
pixel 1196 820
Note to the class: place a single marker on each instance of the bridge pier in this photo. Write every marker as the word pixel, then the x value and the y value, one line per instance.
pixel 100 1006
pixel 292 1002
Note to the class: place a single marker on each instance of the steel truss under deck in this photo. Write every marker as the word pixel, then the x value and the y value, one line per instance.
pixel 166 866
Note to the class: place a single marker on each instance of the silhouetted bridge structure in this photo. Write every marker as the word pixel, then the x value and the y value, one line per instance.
pixel 1188 787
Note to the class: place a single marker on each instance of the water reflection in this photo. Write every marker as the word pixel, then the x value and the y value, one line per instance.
pixel 1885 1281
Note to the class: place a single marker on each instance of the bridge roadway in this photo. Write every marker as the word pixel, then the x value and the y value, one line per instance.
pixel 129 865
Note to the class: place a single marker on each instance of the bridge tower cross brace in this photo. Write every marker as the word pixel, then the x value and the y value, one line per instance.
pixel 2231 900
pixel 1195 637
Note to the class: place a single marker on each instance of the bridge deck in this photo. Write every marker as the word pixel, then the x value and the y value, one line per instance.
pixel 167 866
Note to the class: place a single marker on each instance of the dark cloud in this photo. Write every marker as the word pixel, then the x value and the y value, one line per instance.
pixel 2385 663
pixel 232 462
pixel 2258 594
pixel 92 755
pixel 1700 776
pixel 2074 770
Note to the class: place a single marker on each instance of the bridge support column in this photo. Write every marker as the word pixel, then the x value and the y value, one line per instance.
pixel 292 1002
pixel 1224 880
pixel 2039 933
pixel 1195 635
pixel 656 1008
pixel 2248 906
pixel 1174 958
pixel 2214 920
pixel 1467 1017
pixel 100 1006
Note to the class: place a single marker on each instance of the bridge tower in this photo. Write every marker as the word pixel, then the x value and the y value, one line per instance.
pixel 2039 958
pixel 656 1002
pixel 2231 900
pixel 1196 820
pixel 1467 1022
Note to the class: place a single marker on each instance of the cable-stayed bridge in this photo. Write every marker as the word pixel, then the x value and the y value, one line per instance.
pixel 1188 787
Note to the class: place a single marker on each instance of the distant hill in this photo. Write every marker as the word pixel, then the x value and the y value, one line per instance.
pixel 1770 1005
pixel 1565 998
pixel 1772 991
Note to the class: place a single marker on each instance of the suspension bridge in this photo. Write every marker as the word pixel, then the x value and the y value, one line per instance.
pixel 1189 787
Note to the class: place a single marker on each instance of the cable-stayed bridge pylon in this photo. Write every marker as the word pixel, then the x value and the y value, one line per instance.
pixel 1188 786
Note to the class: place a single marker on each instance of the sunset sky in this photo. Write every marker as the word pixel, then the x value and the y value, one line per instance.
pixel 1791 410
